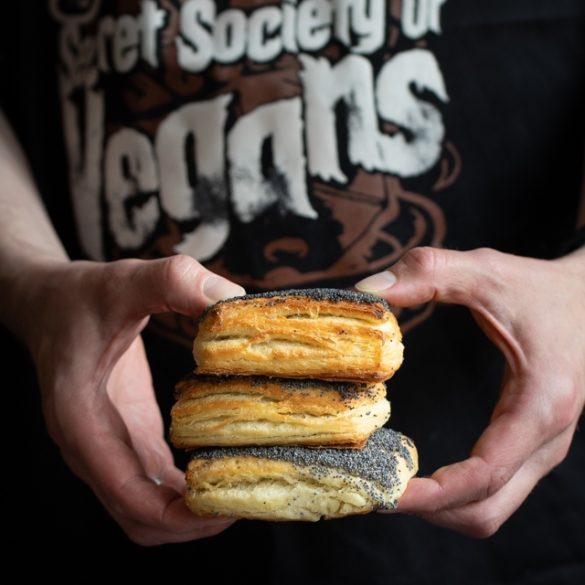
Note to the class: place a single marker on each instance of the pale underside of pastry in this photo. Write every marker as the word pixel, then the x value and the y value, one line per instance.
pixel 300 483
pixel 239 411
pixel 318 333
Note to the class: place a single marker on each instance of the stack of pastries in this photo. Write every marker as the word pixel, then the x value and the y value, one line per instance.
pixel 286 407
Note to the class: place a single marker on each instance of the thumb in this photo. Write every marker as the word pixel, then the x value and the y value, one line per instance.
pixel 482 280
pixel 431 274
pixel 177 284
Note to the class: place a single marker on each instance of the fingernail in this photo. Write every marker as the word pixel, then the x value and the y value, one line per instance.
pixel 216 288
pixel 377 282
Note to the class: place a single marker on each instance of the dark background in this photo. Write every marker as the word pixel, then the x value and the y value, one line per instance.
pixel 55 520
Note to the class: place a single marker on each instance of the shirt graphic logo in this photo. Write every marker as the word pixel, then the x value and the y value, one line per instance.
pixel 290 143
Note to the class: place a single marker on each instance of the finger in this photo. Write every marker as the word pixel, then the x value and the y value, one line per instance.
pixel 430 274
pixel 206 528
pixel 172 477
pixel 475 480
pixel 177 524
pixel 177 284
pixel 149 512
pixel 483 518
pixel 124 486
pixel 450 486
pixel 500 452
pixel 131 391
pixel 156 459
pixel 474 279
pixel 510 440
pixel 531 415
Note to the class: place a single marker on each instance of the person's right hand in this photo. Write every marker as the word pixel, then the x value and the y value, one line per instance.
pixel 82 326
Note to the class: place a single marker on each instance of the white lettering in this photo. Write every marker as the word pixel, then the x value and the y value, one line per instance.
pixel 264 43
pixel 265 148
pixel 152 19
pixel 85 159
pixel 279 126
pixel 421 16
pixel 126 51
pixel 130 173
pixel 195 41
pixel 77 55
pixel 105 33
pixel 364 20
pixel 315 19
pixel 350 81
pixel 260 34
pixel 122 41
pixel 190 146
pixel 205 240
pixel 289 25
pixel 230 36
pixel 417 147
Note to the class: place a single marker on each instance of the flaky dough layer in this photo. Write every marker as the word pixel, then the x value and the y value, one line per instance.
pixel 299 483
pixel 240 411
pixel 318 333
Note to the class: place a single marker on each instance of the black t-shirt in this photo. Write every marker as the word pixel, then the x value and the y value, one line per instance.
pixel 313 150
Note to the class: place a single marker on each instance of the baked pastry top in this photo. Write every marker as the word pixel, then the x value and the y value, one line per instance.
pixel 315 333
pixel 300 483
pixel 251 410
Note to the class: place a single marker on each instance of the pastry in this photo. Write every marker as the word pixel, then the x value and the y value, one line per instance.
pixel 317 333
pixel 251 410
pixel 300 483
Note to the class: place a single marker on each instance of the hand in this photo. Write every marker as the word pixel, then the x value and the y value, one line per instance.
pixel 83 328
pixel 533 310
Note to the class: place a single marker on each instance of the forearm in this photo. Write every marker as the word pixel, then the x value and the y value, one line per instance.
pixel 28 242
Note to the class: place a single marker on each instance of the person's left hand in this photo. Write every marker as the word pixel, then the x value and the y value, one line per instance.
pixel 534 311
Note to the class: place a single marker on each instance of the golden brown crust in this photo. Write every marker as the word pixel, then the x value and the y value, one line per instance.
pixel 297 487
pixel 336 336
pixel 238 411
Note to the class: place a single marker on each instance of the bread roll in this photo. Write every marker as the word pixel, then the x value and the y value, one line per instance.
pixel 320 333
pixel 300 483
pixel 239 411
